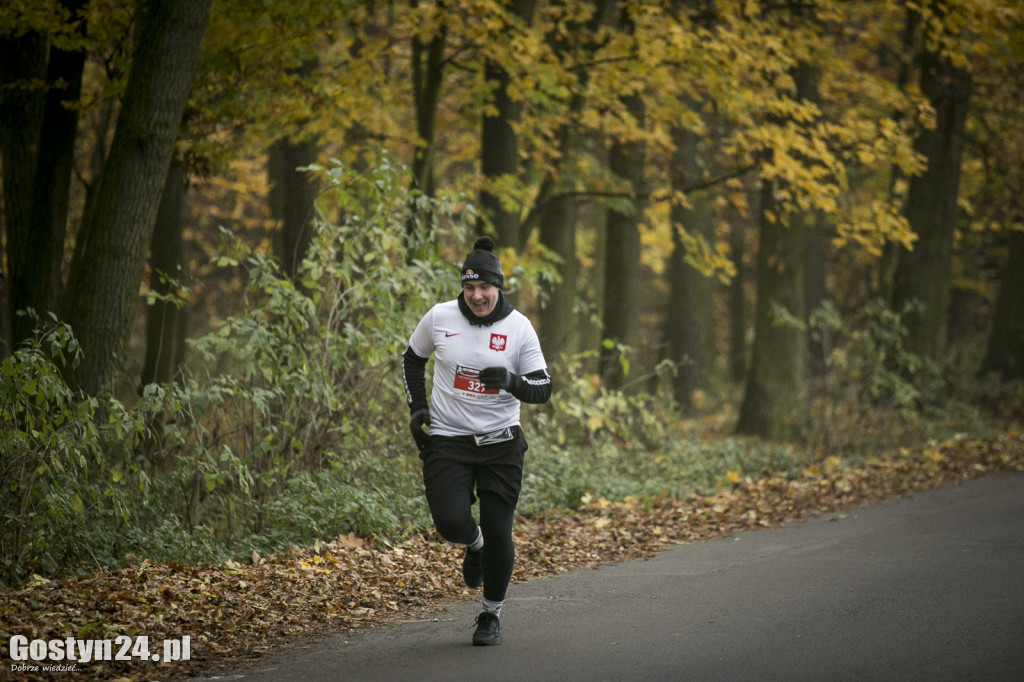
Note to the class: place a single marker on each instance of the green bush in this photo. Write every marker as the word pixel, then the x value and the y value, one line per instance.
pixel 289 424
pixel 877 362
pixel 291 420
pixel 874 388
pixel 594 443
pixel 68 479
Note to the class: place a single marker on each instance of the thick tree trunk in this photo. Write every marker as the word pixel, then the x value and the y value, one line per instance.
pixel 1005 353
pixel 807 76
pixel 499 157
pixel 923 275
pixel 689 317
pixel 52 185
pixel 774 402
pixel 499 145
pixel 775 397
pixel 104 284
pixel 97 160
pixel 22 60
pixel 622 258
pixel 559 328
pixel 165 321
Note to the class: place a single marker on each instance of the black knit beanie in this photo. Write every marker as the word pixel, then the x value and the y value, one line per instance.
pixel 482 264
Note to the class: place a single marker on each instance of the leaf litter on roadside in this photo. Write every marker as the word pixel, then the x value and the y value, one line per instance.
pixel 236 611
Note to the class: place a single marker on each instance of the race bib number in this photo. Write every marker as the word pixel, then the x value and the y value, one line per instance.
pixel 468 379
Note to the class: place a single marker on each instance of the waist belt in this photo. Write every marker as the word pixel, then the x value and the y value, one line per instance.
pixel 499 436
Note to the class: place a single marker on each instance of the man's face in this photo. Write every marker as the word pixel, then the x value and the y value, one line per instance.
pixel 481 297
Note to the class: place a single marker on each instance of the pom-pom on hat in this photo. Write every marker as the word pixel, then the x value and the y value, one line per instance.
pixel 482 265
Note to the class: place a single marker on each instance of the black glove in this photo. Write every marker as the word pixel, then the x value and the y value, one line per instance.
pixel 419 419
pixel 497 377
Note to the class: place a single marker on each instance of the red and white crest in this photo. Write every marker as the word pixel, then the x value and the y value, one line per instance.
pixel 498 341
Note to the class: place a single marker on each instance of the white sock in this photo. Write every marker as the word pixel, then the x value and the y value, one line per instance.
pixel 477 544
pixel 493 607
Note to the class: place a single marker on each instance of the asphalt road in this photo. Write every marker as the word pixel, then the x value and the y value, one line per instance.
pixel 924 588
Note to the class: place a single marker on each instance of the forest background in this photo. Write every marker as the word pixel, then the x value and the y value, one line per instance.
pixel 754 237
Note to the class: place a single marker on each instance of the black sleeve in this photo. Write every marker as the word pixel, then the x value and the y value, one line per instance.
pixel 534 387
pixel 414 373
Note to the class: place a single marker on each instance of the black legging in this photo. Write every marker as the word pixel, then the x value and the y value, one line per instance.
pixel 453 519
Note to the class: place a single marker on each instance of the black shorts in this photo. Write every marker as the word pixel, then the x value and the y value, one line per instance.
pixel 455 464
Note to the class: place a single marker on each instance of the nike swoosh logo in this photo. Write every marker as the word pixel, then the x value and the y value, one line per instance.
pixel 447 334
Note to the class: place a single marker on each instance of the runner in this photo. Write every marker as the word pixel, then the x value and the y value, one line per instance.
pixel 487 359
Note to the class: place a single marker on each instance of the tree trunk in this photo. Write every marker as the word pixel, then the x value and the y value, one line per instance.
pixel 499 145
pixel 52 185
pixel 814 293
pixel 883 281
pixel 293 192
pixel 97 160
pixel 559 214
pixel 923 275
pixel 774 401
pixel 807 76
pixel 622 258
pixel 427 76
pixel 104 288
pixel 499 156
pixel 165 321
pixel 689 318
pixel 1005 353
pixel 22 59
pixel 292 197
pixel 737 301
pixel 559 328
